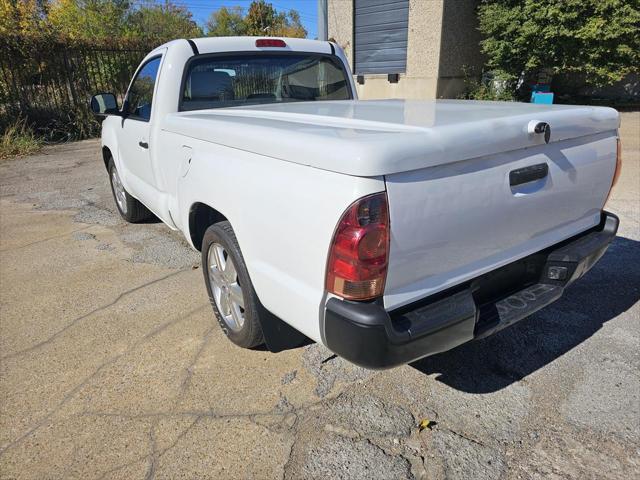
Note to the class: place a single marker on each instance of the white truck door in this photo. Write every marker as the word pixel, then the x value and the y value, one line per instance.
pixel 135 131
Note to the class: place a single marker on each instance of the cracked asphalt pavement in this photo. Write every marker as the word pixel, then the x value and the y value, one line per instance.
pixel 112 366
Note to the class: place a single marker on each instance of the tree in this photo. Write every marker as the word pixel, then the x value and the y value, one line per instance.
pixel 262 19
pixel 22 16
pixel 89 19
pixel 116 19
pixel 290 26
pixel 226 22
pixel 162 22
pixel 598 39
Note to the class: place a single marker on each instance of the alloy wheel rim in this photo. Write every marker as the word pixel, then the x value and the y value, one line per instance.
pixel 225 286
pixel 119 191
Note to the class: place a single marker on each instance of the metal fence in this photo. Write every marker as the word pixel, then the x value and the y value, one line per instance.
pixel 48 82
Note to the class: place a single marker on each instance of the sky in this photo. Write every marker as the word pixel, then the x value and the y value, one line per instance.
pixel 308 9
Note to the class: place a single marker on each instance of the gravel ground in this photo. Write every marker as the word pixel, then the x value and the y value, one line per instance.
pixel 111 365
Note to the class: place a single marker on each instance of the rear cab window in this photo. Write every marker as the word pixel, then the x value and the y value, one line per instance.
pixel 231 80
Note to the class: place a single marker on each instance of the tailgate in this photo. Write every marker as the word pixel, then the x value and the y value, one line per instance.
pixel 453 222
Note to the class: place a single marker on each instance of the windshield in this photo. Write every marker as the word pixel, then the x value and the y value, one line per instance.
pixel 250 79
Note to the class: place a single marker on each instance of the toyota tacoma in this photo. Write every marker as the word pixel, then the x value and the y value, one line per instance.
pixel 387 230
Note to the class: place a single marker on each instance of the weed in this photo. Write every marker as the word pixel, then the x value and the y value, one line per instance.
pixel 18 139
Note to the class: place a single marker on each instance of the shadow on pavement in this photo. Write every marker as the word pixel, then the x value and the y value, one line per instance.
pixel 491 364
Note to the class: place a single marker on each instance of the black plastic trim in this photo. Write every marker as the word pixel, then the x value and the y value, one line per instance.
pixel 370 345
pixel 366 334
pixel 279 335
pixel 528 174
pixel 194 47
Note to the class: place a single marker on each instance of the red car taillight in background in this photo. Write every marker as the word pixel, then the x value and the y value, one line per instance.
pixel 359 253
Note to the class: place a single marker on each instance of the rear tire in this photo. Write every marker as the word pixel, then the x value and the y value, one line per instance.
pixel 230 290
pixel 129 208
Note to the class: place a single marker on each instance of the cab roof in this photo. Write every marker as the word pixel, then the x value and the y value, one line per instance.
pixel 248 44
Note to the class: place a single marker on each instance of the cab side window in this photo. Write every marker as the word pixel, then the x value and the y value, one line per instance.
pixel 140 96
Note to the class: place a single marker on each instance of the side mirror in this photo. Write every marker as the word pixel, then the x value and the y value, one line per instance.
pixel 104 104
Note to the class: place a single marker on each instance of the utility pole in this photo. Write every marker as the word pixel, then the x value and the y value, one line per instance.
pixel 323 27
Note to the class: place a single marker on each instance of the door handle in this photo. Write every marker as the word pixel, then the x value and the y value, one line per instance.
pixel 143 144
pixel 528 174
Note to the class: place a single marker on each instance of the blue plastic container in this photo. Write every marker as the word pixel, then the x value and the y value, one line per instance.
pixel 542 97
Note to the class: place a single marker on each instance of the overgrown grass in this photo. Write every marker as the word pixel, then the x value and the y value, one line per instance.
pixel 19 139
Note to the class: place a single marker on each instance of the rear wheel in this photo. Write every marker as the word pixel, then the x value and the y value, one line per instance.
pixel 231 293
pixel 129 208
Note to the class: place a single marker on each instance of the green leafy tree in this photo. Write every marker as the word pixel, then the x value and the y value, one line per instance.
pixel 226 22
pixel 116 19
pixel 22 17
pixel 162 22
pixel 289 25
pixel 262 19
pixel 599 39
pixel 89 19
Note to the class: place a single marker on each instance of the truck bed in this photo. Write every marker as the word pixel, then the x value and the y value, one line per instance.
pixel 455 173
pixel 381 137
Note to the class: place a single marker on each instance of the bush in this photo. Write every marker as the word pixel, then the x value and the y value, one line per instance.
pixel 596 39
pixel 18 139
pixel 495 85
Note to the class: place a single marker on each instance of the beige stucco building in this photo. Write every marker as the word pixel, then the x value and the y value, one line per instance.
pixel 434 42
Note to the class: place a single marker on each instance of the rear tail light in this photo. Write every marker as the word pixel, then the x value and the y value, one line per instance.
pixel 359 253
pixel 270 42
pixel 616 174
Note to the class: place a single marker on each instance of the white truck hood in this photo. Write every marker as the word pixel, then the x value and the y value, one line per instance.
pixel 382 137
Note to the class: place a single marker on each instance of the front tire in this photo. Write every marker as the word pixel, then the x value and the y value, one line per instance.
pixel 231 293
pixel 129 208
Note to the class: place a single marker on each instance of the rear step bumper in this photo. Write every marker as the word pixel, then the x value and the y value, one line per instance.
pixel 366 334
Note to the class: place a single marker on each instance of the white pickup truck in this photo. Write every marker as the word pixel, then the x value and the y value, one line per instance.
pixel 388 230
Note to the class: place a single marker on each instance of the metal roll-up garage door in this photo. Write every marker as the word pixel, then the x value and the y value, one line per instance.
pixel 380 36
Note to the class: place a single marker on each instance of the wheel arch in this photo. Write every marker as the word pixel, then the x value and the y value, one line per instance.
pixel 106 156
pixel 201 217
pixel 278 335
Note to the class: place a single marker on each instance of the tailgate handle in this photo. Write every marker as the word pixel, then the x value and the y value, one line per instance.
pixel 528 174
